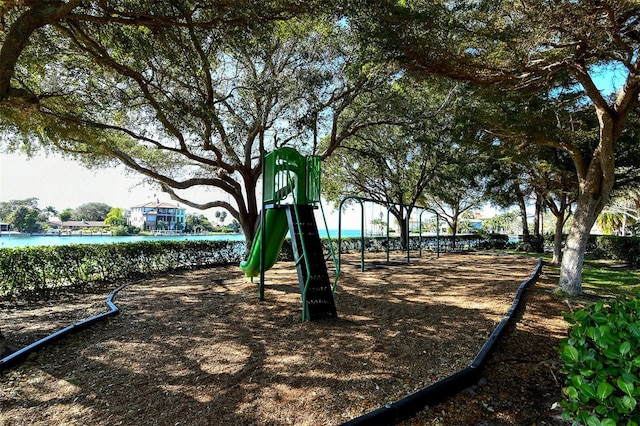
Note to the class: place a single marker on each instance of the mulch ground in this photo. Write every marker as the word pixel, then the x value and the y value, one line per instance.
pixel 199 348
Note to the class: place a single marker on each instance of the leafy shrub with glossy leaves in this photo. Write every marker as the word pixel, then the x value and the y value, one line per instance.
pixel 602 362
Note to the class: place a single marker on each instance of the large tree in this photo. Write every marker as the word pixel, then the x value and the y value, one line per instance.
pixel 91 211
pixel 188 95
pixel 529 46
pixel 383 164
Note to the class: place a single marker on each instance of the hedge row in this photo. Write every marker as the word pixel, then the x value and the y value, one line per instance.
pixel 38 271
pixel 443 243
pixel 624 249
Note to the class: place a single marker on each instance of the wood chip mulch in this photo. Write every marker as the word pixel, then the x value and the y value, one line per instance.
pixel 199 348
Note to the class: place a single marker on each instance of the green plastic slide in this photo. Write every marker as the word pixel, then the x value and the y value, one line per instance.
pixel 277 227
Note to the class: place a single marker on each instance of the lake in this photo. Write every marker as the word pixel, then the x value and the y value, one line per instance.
pixel 14 240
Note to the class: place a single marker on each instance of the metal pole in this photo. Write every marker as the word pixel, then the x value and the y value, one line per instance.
pixel 420 233
pixel 437 235
pixel 262 231
pixel 359 200
pixel 388 240
pixel 340 235
pixel 407 233
pixel 361 235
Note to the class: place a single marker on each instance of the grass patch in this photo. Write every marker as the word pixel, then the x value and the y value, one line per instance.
pixel 600 276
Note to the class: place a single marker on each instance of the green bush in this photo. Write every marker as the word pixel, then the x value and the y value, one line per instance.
pixel 602 362
pixel 625 249
pixel 37 271
pixel 119 230
pixel 494 241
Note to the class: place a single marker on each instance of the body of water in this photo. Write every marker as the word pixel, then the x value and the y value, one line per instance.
pixel 16 240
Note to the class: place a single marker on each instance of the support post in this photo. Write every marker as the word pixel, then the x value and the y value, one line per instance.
pixel 263 222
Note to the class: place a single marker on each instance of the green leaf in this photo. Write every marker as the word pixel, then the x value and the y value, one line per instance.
pixel 629 402
pixel 629 377
pixel 599 318
pixel 625 347
pixel 571 392
pixel 612 353
pixel 588 390
pixel 570 353
pixel 593 421
pixel 586 372
pixel 626 386
pixel 608 422
pixel 581 315
pixel 594 333
pixel 604 390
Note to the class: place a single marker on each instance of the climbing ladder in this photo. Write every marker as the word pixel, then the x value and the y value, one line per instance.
pixel 315 286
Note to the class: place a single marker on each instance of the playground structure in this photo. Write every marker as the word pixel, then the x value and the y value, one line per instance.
pixel 403 207
pixel 291 193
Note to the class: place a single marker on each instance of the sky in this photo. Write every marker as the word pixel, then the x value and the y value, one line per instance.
pixel 63 183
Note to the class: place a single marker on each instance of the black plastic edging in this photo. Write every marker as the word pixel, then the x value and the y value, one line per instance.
pixel 22 354
pixel 481 358
pixel 408 406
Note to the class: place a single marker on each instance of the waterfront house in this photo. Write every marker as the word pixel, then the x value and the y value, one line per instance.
pixel 77 225
pixel 158 216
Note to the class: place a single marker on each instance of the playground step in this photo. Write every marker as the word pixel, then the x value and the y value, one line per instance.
pixel 305 240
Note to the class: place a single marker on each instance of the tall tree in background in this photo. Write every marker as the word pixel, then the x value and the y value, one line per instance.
pixel 24 215
pixel 554 181
pixel 529 46
pixel 521 133
pixel 115 217
pixel 458 186
pixel 394 163
pixel 382 164
pixel 91 211
pixel 507 184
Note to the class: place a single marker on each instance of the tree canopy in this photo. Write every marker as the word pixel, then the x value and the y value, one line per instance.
pixel 187 95
pixel 528 46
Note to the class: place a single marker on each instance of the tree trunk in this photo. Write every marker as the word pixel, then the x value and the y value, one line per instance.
pixel 523 217
pixel 536 217
pixel 585 216
pixel 402 224
pixel 454 232
pixel 249 228
pixel 557 239
pixel 596 184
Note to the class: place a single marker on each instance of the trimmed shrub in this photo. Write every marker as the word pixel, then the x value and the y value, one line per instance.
pixel 625 249
pixel 495 241
pixel 602 362
pixel 37 271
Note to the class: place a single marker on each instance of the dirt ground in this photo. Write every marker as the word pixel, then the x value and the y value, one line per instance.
pixel 199 348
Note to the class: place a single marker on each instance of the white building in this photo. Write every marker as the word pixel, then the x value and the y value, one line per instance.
pixel 158 216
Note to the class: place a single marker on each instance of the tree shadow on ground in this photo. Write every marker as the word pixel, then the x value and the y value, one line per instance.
pixel 200 348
